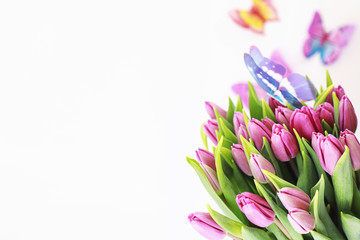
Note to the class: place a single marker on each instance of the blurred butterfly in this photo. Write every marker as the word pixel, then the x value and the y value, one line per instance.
pixel 261 12
pixel 329 44
pixel 271 77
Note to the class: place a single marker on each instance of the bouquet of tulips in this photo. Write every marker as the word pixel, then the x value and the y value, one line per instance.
pixel 277 172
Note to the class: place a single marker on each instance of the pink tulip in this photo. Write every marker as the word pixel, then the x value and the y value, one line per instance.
pixel 210 129
pixel 240 158
pixel 349 139
pixel 206 226
pixel 294 198
pixel 305 121
pixel 283 143
pixel 206 157
pixel 283 115
pixel 268 123
pixel 240 126
pixel 256 209
pixel 326 112
pixel 273 103
pixel 328 149
pixel 257 131
pixel 301 221
pixel 257 164
pixel 347 116
pixel 339 91
pixel 209 106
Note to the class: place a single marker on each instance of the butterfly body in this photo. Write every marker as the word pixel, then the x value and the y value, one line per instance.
pixel 328 44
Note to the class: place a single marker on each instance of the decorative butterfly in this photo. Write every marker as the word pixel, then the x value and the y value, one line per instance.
pixel 329 44
pixel 270 76
pixel 261 12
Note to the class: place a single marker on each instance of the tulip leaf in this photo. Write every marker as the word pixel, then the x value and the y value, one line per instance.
pixel 355 208
pixel 307 177
pixel 267 153
pixel 326 126
pixel 226 122
pixel 336 108
pixel 228 224
pixel 314 209
pixel 239 105
pixel 230 111
pixel 229 190
pixel 280 213
pixel 248 148
pixel 226 132
pixel 249 233
pixel 335 132
pixel 218 200
pixel 343 179
pixel 321 98
pixel 277 182
pixel 254 103
pixel 328 79
pixel 246 118
pixel 318 236
pixel 351 226
pixel 300 142
pixel 267 112
pixel 277 232
pixel 203 136
pixel 329 191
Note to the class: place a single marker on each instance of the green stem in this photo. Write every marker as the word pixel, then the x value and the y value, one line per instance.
pixel 282 228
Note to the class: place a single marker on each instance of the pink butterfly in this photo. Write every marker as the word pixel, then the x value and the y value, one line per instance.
pixel 329 44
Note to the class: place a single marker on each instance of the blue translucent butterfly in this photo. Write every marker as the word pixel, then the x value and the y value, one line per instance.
pixel 270 76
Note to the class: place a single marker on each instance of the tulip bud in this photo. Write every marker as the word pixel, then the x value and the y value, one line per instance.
pixel 349 139
pixel 257 164
pixel 256 209
pixel 206 157
pixel 268 123
pixel 283 143
pixel 294 198
pixel 209 106
pixel 273 103
pixel 305 121
pixel 240 158
pixel 257 131
pixel 240 126
pixel 206 226
pixel 210 129
pixel 301 221
pixel 339 91
pixel 328 149
pixel 326 112
pixel 283 115
pixel 347 116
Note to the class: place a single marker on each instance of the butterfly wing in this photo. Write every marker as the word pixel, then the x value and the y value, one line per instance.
pixel 265 9
pixel 277 57
pixel 303 87
pixel 248 20
pixel 316 32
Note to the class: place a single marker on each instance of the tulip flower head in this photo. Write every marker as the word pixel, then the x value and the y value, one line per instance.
pixel 349 139
pixel 305 121
pixel 301 221
pixel 209 106
pixel 273 103
pixel 294 198
pixel 326 112
pixel 257 131
pixel 339 91
pixel 204 224
pixel 347 116
pixel 257 164
pixel 283 115
pixel 283 143
pixel 210 129
pixel 240 158
pixel 240 126
pixel 268 123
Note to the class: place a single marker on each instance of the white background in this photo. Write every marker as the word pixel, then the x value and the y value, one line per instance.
pixel 100 102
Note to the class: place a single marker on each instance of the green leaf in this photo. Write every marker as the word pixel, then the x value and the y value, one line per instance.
pixel 230 225
pixel 351 226
pixel 248 147
pixel 227 132
pixel 343 179
pixel 267 112
pixel 328 79
pixel 326 126
pixel 226 122
pixel 218 200
pixel 278 182
pixel 249 233
pixel 336 108
pixel 203 136
pixel 336 132
pixel 277 232
pixel 308 177
pixel 280 213
pixel 254 103
pixel 314 209
pixel 246 118
pixel 300 142
pixel 321 98
pixel 267 153
pixel 319 236
pixel 230 111
pixel 239 105
pixel 355 208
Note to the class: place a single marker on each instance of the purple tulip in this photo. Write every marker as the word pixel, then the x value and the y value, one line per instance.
pixel 349 139
pixel 273 103
pixel 326 112
pixel 204 224
pixel 240 126
pixel 257 131
pixel 268 123
pixel 339 91
pixel 210 129
pixel 347 116
pixel 301 221
pixel 256 209
pixel 209 106
pixel 328 149
pixel 283 143
pixel 257 164
pixel 294 198
pixel 240 158
pixel 305 121
pixel 206 157
pixel 283 115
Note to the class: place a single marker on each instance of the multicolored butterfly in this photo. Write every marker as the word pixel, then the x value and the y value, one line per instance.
pixel 270 76
pixel 261 12
pixel 329 44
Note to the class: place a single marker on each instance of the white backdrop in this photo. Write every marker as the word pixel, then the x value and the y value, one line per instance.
pixel 100 102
